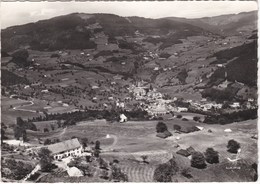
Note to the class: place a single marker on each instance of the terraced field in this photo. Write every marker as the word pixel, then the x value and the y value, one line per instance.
pixel 139 173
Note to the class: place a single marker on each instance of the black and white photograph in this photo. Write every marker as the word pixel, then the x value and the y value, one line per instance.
pixel 138 91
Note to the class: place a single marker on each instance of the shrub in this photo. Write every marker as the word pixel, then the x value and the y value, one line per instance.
pixel 164 172
pixel 186 173
pixel 233 146
pixel 161 127
pixel 196 118
pixel 185 119
pixel 211 156
pixel 97 145
pixel 47 141
pixel 198 160
pixel 55 55
pixel 118 175
pixel 179 116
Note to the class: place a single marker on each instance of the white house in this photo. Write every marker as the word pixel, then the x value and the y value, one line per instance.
pixel 123 118
pixel 235 105
pixel 228 130
pixel 67 148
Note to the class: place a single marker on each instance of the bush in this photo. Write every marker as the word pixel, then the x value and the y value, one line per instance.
pixel 55 55
pixel 161 127
pixel 186 173
pixel 164 172
pixel 233 146
pixel 211 156
pixel 47 142
pixel 118 175
pixel 198 160
pixel 179 116
pixel 196 118
pixel 185 119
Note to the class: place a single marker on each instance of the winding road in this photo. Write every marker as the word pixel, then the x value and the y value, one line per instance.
pixel 28 110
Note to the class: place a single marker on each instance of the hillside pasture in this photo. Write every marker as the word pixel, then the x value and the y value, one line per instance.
pixel 9 115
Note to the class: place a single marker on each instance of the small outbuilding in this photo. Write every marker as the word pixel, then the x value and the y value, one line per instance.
pixel 190 150
pixel 164 134
pixel 123 118
pixel 183 152
pixel 74 172
pixel 228 130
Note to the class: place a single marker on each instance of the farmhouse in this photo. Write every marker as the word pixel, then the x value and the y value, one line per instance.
pixel 66 148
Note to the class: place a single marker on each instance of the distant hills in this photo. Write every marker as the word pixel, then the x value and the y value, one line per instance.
pixel 74 31
pixel 224 24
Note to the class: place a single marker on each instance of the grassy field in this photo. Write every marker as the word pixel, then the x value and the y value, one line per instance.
pixel 9 115
pixel 129 141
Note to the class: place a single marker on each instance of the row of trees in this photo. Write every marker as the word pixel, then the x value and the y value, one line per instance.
pixel 72 117
pixel 231 117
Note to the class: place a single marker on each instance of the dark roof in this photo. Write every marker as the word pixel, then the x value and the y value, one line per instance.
pixel 64 146
pixel 183 152
pixel 188 129
pixel 164 134
pixel 190 150
pixel 161 135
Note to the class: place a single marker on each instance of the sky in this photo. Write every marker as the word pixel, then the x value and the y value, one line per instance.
pixel 17 13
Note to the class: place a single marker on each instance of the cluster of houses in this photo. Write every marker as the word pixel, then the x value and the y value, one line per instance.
pixel 203 106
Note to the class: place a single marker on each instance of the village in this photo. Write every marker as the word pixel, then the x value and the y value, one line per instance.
pixel 106 98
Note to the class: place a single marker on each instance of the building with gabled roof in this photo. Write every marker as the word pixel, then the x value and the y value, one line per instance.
pixel 66 148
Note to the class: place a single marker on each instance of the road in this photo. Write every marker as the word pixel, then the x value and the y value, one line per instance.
pixel 28 110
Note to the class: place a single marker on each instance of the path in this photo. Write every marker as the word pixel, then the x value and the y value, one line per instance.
pixel 110 147
pixel 63 132
pixel 28 110
pixel 37 168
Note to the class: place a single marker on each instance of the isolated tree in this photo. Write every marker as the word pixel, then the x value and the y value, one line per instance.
pixel 47 142
pixel 45 159
pixel 211 156
pixel 24 134
pixel 19 132
pixel 20 122
pixel 96 153
pixel 84 142
pixel 233 146
pixel 97 145
pixel 165 171
pixel 161 127
pixel 198 160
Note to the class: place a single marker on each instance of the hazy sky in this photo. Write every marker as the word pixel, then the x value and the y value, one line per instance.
pixel 16 13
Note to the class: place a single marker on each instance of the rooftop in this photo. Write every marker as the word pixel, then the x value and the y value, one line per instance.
pixel 64 146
